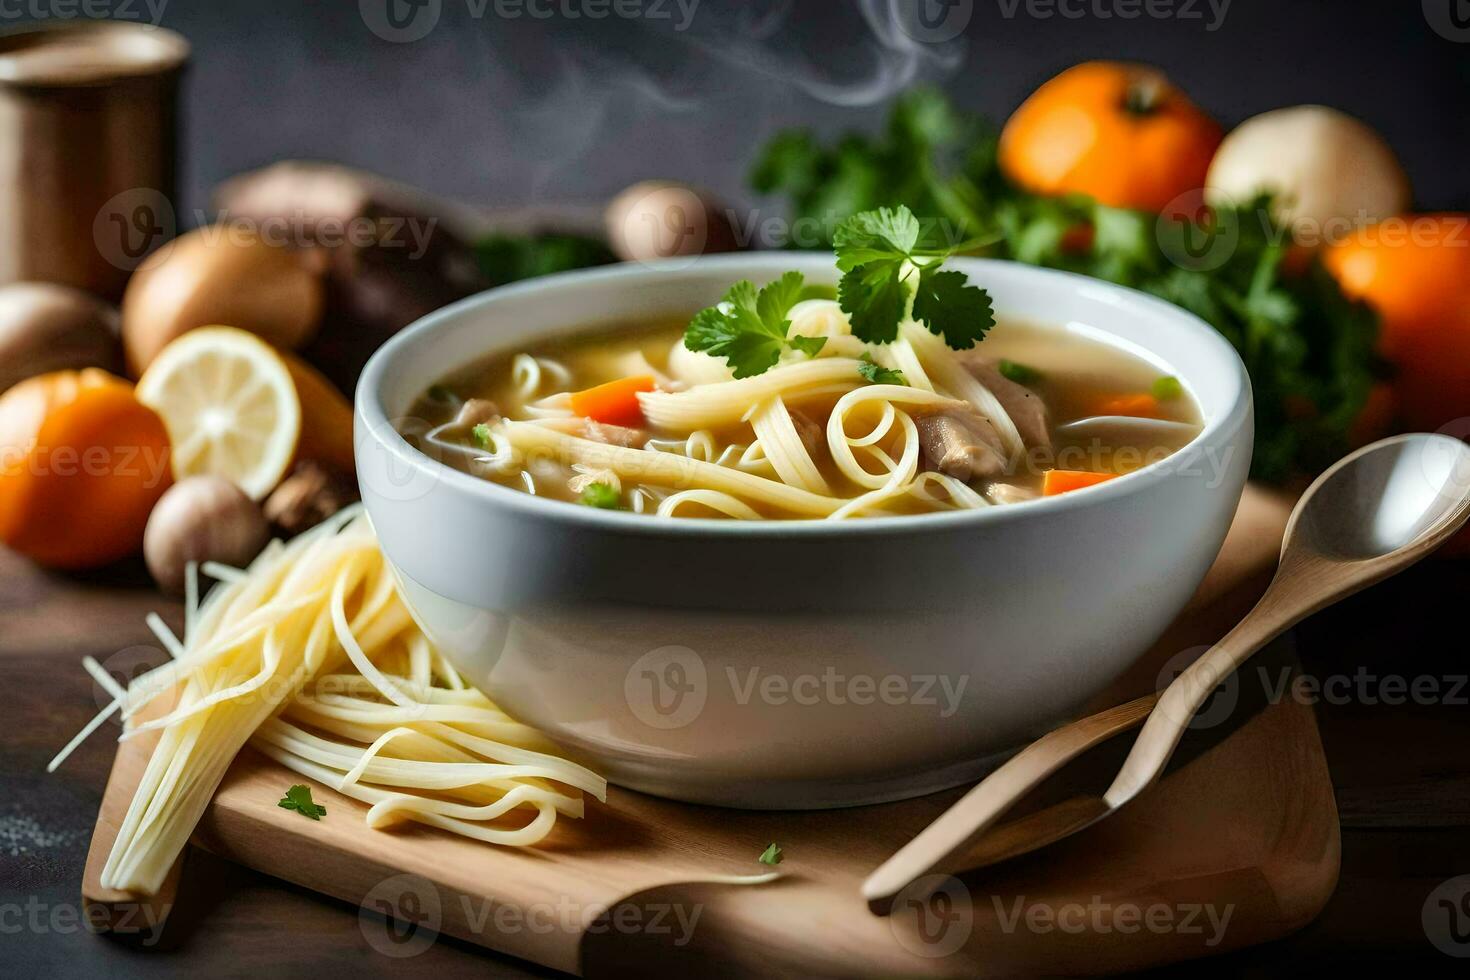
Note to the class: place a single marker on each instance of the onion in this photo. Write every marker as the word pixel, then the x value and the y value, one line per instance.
pixel 222 275
pixel 1329 173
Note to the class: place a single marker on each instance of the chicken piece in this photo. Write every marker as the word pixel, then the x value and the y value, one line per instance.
pixel 960 442
pixel 1023 405
pixel 1010 493
pixel 614 435
pixel 476 411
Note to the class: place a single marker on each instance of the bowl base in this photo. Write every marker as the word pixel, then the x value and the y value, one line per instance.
pixel 803 795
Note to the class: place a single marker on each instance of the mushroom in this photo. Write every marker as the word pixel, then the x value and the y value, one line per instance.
pixel 307 496
pixel 662 219
pixel 45 328
pixel 1323 167
pixel 222 274
pixel 199 519
pixel 404 267
pixel 392 254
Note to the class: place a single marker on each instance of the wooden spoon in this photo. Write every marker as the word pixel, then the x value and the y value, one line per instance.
pixel 1371 515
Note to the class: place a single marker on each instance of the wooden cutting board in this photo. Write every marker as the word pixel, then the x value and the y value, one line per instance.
pixel 1237 845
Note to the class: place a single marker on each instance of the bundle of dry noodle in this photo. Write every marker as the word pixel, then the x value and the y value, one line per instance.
pixel 312 657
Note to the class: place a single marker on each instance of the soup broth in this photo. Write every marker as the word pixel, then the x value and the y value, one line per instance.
pixel 625 417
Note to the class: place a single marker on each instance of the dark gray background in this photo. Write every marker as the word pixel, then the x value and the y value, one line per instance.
pixel 500 110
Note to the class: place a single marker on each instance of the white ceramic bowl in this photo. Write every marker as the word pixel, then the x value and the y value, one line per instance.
pixel 795 664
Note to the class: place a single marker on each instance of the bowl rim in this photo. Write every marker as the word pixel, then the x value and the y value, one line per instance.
pixel 372 417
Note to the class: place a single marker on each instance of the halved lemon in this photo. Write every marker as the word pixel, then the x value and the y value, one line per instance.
pixel 230 405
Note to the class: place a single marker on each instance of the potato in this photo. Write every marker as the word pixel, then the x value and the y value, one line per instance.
pixel 222 275
pixel 44 328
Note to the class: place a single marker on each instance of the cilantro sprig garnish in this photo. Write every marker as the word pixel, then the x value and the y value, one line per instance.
pixel 884 260
pixel 298 798
pixel 877 373
pixel 889 274
pixel 749 329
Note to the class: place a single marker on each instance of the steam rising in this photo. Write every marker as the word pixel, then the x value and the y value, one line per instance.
pixel 856 70
pixel 726 69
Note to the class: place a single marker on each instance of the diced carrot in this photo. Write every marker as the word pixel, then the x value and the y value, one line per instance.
pixel 1142 406
pixel 615 403
pixel 1062 481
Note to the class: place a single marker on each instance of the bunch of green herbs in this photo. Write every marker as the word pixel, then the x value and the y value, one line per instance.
pixel 1308 349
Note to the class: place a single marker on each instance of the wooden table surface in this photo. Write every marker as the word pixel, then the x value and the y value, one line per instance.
pixel 1400 769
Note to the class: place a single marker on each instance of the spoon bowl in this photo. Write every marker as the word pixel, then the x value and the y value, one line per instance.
pixel 1383 498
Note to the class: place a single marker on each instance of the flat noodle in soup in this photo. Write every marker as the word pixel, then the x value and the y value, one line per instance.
pixel 627 417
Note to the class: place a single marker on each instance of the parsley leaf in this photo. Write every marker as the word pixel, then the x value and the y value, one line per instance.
pixel 878 252
pixel 771 855
pixel 884 235
pixel 878 374
pixel 749 328
pixel 874 297
pixel 948 306
pixel 810 346
pixel 298 798
pixel 602 496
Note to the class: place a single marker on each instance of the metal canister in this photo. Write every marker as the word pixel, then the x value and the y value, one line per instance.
pixel 88 150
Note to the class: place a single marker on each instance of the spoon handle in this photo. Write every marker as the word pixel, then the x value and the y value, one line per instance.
pixel 1303 584
pixel 943 845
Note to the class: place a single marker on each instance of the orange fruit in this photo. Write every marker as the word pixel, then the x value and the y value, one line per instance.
pixel 1119 133
pixel 82 462
pixel 1415 272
